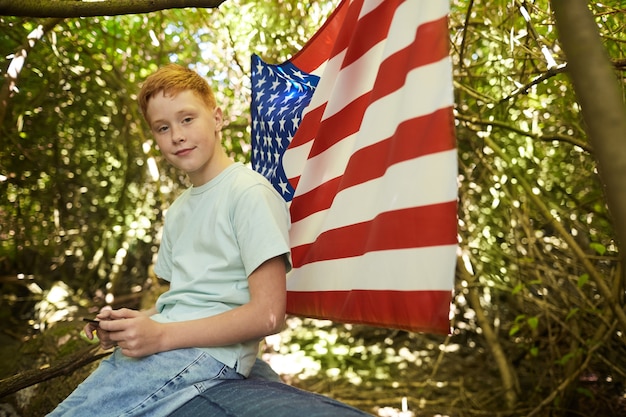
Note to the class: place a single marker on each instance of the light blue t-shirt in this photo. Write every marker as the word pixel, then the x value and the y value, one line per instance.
pixel 215 236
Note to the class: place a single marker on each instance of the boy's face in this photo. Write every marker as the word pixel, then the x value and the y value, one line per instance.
pixel 187 132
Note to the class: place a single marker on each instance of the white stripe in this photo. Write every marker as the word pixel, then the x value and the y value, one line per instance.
pixel 339 87
pixel 408 17
pixel 320 69
pixel 368 6
pixel 429 268
pixel 423 181
pixel 326 166
pixel 326 83
pixel 295 162
pixel 427 89
pixel 353 81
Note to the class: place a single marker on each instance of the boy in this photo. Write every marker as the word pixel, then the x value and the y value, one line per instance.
pixel 225 251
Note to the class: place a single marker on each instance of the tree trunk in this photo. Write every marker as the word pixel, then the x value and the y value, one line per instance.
pixel 600 96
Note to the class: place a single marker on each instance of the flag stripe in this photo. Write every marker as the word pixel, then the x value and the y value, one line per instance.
pixel 372 162
pixel 417 311
pixel 401 187
pixel 378 84
pixel 381 19
pixel 316 51
pixel 398 229
pixel 394 108
pixel 426 46
pixel 410 269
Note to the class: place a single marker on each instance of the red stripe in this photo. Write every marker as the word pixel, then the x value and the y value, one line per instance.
pixel 413 138
pixel 345 36
pixel 428 47
pixel 356 45
pixel 416 311
pixel 340 125
pixel 318 199
pixel 414 227
pixel 317 50
pixel 370 30
pixel 308 127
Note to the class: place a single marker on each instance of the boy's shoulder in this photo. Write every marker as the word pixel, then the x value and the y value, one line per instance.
pixel 246 176
pixel 233 183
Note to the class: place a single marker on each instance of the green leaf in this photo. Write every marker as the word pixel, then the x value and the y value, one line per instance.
pixel 585 392
pixel 565 358
pixel 599 248
pixel 571 313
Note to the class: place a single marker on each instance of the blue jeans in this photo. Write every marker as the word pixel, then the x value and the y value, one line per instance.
pixel 263 395
pixel 155 385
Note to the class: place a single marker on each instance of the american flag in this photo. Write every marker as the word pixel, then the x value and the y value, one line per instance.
pixel 356 132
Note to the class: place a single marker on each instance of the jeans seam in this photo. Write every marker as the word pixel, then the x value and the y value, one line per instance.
pixel 176 377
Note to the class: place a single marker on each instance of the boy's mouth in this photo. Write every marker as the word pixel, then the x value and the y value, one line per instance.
pixel 183 152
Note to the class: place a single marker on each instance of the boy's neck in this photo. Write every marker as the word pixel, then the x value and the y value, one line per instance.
pixel 220 163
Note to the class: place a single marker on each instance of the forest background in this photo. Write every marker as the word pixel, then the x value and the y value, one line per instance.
pixel 539 320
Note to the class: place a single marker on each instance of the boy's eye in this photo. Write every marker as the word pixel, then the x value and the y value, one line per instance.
pixel 161 129
pixel 187 119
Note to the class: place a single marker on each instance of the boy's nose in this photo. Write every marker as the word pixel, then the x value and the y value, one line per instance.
pixel 177 136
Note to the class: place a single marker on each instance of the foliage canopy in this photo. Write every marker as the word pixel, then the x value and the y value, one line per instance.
pixel 83 189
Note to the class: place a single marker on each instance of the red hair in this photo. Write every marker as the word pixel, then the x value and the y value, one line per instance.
pixel 171 80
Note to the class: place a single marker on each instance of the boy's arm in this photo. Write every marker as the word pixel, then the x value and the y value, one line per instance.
pixel 151 311
pixel 139 335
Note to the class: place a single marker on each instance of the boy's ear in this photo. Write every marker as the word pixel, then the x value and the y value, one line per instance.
pixel 219 119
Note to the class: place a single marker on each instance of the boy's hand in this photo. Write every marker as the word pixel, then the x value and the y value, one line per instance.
pixel 133 331
pixel 103 335
pixel 88 333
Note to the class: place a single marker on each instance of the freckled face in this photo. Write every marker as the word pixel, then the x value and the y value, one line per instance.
pixel 187 132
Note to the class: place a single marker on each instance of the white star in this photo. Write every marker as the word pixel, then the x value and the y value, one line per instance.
pixel 283 187
pixel 260 82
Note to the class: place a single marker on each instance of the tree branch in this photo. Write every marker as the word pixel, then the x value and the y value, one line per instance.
pixel 544 138
pixel 73 8
pixel 63 367
pixel 507 371
pixel 12 73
